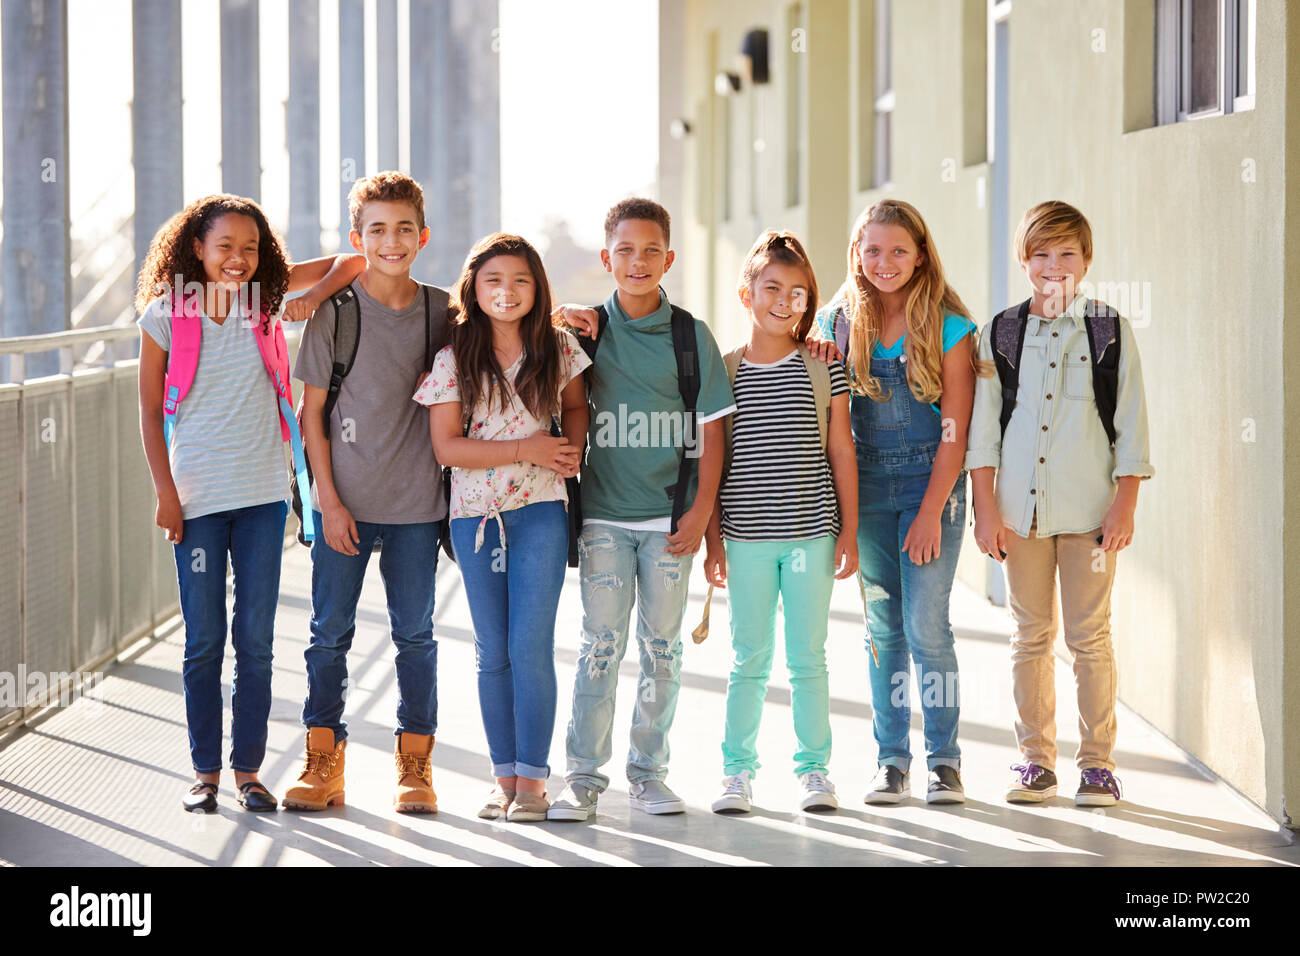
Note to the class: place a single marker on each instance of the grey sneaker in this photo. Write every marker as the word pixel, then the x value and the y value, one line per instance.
pixel 653 796
pixel 1032 784
pixel 737 796
pixel 945 786
pixel 818 792
pixel 890 785
pixel 576 802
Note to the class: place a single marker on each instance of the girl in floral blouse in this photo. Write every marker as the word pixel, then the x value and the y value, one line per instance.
pixel 493 394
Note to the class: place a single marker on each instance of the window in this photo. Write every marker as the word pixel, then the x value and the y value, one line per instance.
pixel 884 92
pixel 1205 58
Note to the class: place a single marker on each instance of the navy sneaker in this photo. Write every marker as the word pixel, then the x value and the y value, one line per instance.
pixel 1032 784
pixel 1098 787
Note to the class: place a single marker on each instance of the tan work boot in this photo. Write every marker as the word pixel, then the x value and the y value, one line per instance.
pixel 414 792
pixel 320 784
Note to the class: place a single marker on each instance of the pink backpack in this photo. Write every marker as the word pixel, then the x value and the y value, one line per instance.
pixel 183 362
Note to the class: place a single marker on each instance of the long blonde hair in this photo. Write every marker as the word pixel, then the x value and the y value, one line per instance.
pixel 929 299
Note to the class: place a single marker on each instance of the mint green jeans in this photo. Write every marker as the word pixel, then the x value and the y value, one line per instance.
pixel 802 574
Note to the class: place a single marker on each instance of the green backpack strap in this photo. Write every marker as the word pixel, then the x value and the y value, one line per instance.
pixel 820 375
pixel 732 363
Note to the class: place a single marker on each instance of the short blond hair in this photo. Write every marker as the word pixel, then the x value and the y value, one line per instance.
pixel 1050 223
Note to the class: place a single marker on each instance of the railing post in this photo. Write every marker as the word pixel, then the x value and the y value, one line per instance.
pixel 37 249
pixel 241 142
pixel 304 129
pixel 156 141
pixel 352 107
pixel 387 100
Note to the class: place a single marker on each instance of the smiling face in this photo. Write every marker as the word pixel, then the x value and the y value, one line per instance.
pixel 888 256
pixel 637 255
pixel 228 252
pixel 505 288
pixel 390 236
pixel 778 298
pixel 1056 269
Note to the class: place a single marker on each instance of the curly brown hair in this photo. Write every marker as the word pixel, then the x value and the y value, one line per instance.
pixel 172 260
pixel 636 208
pixel 388 186
pixel 481 377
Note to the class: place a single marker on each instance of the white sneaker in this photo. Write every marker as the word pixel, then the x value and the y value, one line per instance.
pixel 653 796
pixel 575 803
pixel 736 794
pixel 818 792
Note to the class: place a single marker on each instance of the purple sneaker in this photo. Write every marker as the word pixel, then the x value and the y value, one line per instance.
pixel 1032 784
pixel 1098 787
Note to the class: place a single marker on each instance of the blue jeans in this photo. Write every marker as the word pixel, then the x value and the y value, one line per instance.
pixel 254 539
pixel 620 567
pixel 408 558
pixel 906 603
pixel 907 613
pixel 513 594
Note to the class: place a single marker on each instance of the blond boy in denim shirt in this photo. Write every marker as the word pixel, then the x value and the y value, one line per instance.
pixel 1063 500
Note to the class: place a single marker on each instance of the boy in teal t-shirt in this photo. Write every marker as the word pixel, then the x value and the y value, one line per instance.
pixel 627 550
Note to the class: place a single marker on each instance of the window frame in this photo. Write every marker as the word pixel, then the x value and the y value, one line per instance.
pixel 1174 60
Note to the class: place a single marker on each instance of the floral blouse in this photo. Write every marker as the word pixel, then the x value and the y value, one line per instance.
pixel 486 492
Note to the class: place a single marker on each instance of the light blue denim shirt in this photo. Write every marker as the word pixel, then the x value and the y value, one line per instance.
pixel 1055 457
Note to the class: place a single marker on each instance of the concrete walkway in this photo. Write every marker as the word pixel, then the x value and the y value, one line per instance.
pixel 99 782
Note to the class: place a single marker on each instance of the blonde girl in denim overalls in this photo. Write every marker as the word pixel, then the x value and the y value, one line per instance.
pixel 909 352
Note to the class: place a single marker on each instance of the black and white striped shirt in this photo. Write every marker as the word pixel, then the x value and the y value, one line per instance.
pixel 779 487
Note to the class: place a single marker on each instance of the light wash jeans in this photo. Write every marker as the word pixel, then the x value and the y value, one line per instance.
pixel 620 567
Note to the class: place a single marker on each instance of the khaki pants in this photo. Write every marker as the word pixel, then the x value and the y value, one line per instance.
pixel 1087 574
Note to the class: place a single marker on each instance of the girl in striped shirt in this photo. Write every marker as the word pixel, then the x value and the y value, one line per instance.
pixel 790 445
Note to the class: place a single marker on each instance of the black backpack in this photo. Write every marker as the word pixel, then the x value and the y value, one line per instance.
pixel 1102 323
pixel 347 334
pixel 688 385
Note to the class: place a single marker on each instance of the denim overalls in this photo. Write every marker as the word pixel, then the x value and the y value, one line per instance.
pixel 907 604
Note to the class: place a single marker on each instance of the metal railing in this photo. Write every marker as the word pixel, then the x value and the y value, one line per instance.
pixel 89 576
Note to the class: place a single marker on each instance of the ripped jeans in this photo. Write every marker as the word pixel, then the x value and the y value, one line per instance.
pixel 618 567
pixel 907 619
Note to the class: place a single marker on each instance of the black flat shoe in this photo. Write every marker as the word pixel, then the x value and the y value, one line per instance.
pixel 255 797
pixel 202 798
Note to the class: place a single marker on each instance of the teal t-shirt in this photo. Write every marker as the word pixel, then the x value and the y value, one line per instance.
pixel 955 328
pixel 637 415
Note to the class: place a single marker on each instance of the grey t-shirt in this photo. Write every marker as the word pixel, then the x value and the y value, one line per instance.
pixel 228 451
pixel 380 451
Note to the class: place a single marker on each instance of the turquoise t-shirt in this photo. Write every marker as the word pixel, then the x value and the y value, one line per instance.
pixel 637 415
pixel 955 328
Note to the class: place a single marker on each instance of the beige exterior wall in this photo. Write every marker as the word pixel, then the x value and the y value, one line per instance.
pixel 1189 217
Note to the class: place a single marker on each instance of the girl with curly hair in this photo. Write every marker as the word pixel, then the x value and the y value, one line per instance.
pixel 220 480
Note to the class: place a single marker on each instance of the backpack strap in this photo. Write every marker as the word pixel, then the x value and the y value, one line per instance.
pixel 269 335
pixel 1102 324
pixel 182 360
pixel 840 333
pixel 347 333
pixel 820 375
pixel 1008 334
pixel 589 345
pixel 688 384
pixel 732 363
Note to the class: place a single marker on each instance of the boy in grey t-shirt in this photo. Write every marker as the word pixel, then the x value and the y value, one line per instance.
pixel 375 481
